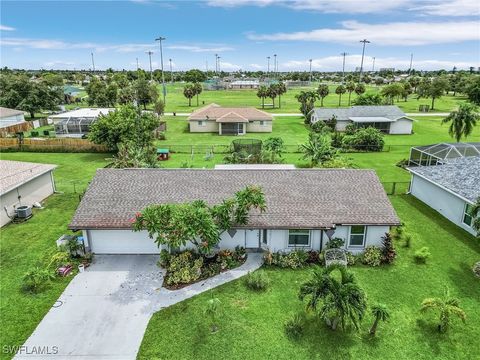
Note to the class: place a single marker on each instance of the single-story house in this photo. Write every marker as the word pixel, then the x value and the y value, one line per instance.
pixel 76 123
pixel 244 84
pixel 230 120
pixel 12 121
pixel 387 118
pixel 23 183
pixel 451 188
pixel 305 207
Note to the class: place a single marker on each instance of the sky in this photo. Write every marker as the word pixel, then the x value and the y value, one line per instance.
pixel 440 34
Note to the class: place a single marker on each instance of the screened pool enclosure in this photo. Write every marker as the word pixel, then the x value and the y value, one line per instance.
pixel 438 154
pixel 74 126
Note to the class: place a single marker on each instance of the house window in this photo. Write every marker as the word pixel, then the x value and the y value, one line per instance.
pixel 201 123
pixel 299 238
pixel 357 235
pixel 262 123
pixel 264 237
pixel 467 215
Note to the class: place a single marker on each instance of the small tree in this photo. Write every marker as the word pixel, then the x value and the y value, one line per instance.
pixel 446 307
pixel 281 89
pixel 340 90
pixel 275 146
pixel 323 92
pixel 159 107
pixel 272 93
pixel 212 310
pixel 432 89
pixel 360 89
pixel 350 87
pixel 189 93
pixel 473 91
pixel 262 93
pixel 197 87
pixel 318 148
pixel 462 121
pixel 379 312
pixel 307 103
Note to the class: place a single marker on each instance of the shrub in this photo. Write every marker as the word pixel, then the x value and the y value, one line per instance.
pixel 211 269
pixel 226 259
pixel 257 281
pixel 320 127
pixel 293 260
pixel 33 133
pixel 351 259
pixel 240 252
pixel 335 243
pixel 58 259
pixel 366 139
pixel 388 251
pixel 422 255
pixel 184 268
pixel 407 240
pixel 294 326
pixel 337 139
pixel 36 279
pixel 476 269
pixel 46 133
pixel 372 256
pixel 402 163
pixel 312 257
pixel 165 257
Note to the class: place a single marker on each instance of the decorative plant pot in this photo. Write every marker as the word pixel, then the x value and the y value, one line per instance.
pixel 81 268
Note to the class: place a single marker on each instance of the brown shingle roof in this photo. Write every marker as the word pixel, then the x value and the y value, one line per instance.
pixel 15 173
pixel 214 111
pixel 302 198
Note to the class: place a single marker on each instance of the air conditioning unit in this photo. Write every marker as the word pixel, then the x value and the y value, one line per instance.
pixel 23 212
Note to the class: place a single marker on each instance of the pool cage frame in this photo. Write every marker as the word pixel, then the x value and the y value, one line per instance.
pixel 74 126
pixel 439 154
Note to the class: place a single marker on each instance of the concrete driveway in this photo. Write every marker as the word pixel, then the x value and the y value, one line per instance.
pixel 103 312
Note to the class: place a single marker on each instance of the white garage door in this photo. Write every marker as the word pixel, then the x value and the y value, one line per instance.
pixel 121 242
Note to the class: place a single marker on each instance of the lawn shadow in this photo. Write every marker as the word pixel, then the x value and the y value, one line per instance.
pixel 430 335
pixel 458 278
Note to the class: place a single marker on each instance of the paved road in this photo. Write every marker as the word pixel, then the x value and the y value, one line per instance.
pixel 298 114
pixel 104 312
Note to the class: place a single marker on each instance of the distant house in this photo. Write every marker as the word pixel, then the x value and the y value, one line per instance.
pixel 244 84
pixel 230 120
pixel 12 121
pixel 451 188
pixel 23 183
pixel 76 123
pixel 387 118
pixel 298 214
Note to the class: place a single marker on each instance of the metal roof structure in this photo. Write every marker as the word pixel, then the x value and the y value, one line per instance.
pixel 441 153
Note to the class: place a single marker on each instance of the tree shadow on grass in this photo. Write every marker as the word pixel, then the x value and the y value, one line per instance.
pixel 463 281
pixel 428 331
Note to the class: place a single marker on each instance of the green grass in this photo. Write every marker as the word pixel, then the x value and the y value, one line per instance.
pixel 252 323
pixel 25 245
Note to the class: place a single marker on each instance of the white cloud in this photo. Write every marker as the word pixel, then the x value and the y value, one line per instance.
pixel 326 6
pixel 450 8
pixel 256 66
pixel 334 63
pixel 397 34
pixel 59 64
pixel 198 49
pixel 229 66
pixel 6 28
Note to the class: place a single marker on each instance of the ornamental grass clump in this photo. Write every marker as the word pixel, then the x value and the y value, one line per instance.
pixel 257 281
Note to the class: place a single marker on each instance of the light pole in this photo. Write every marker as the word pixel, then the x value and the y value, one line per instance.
pixel 137 63
pixel 310 70
pixel 275 66
pixel 411 61
pixel 268 66
pixel 364 41
pixel 150 53
pixel 164 90
pixel 373 65
pixel 171 72
pixel 344 54
pixel 216 64
pixel 218 59
pixel 93 62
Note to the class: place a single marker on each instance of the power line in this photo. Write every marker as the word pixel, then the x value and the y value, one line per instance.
pixel 344 54
pixel 364 41
pixel 150 53
pixel 164 90
pixel 93 62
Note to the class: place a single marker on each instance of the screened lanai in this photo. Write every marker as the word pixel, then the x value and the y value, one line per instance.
pixel 74 126
pixel 438 154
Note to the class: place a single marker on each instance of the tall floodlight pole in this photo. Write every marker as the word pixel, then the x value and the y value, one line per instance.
pixel 93 63
pixel 218 59
pixel 137 63
pixel 373 65
pixel 411 61
pixel 171 72
pixel 150 53
pixel 268 66
pixel 310 70
pixel 275 66
pixel 364 41
pixel 164 90
pixel 344 54
pixel 216 64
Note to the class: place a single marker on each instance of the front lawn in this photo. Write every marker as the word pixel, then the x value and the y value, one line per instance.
pixel 28 244
pixel 252 323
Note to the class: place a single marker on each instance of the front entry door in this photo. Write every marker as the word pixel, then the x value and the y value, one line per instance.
pixel 252 239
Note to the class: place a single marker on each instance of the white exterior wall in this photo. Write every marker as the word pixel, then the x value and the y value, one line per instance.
pixel 209 126
pixel 11 120
pixel 446 203
pixel 35 190
pixel 401 126
pixel 254 126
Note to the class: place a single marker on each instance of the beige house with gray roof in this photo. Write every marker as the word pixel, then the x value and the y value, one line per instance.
pixel 230 120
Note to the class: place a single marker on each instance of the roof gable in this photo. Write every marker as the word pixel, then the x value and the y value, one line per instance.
pixel 214 112
pixel 392 112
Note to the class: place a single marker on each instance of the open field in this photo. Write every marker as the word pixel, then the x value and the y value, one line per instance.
pixel 251 324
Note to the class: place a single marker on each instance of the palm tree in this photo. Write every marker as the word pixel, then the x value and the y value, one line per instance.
pixel 307 102
pixel 462 121
pixel 322 91
pixel 212 310
pixel 380 312
pixel 262 93
pixel 340 90
pixel 280 89
pixel 350 88
pixel 360 89
pixel 189 93
pixel 198 89
pixel 272 93
pixel 338 300
pixel 318 148
pixel 446 307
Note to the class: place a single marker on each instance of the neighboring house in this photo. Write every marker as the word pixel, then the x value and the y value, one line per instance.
pixel 305 207
pixel 244 84
pixel 76 123
pixel 12 121
pixel 451 188
pixel 23 183
pixel 387 118
pixel 230 120
pixel 438 154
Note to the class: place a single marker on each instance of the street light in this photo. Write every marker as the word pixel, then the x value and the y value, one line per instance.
pixel 150 53
pixel 218 59
pixel 275 65
pixel 364 41
pixel 343 66
pixel 160 39
pixel 310 70
pixel 268 65
pixel 171 72
pixel 93 63
pixel 216 64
